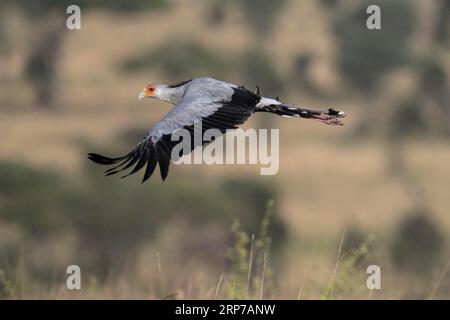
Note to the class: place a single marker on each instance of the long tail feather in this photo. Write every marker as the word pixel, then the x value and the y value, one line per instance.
pixel 330 116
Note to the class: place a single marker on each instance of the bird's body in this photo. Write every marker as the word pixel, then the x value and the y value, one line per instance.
pixel 213 103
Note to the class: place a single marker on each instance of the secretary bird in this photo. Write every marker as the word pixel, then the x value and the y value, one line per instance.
pixel 214 104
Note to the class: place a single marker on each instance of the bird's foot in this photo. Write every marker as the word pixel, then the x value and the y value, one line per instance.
pixel 335 113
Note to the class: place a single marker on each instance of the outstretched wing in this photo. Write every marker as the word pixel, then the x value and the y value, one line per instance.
pixel 214 104
pixel 146 152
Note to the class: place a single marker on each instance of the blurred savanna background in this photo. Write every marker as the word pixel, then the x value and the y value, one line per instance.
pixel 373 192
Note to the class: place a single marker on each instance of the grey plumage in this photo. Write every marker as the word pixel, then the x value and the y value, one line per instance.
pixel 216 104
pixel 202 97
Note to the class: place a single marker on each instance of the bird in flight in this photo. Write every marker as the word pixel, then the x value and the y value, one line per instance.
pixel 213 103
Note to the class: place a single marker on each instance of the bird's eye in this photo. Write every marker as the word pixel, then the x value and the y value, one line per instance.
pixel 151 89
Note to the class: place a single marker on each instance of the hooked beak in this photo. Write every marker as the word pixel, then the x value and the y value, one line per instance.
pixel 145 94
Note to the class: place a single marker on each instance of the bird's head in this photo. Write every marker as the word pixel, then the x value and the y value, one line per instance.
pixel 163 92
pixel 153 90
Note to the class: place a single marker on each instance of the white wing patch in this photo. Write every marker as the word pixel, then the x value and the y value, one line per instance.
pixel 267 102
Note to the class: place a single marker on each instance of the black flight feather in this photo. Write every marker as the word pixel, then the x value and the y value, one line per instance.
pixel 228 116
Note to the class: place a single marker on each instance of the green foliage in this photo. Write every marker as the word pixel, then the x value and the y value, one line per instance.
pixel 434 81
pixel 348 277
pixel 351 277
pixel 238 256
pixel 177 59
pixel 357 244
pixel 256 68
pixel 251 273
pixel 408 120
pixel 40 8
pixel 254 197
pixel 365 56
pixel 261 14
pixel 180 60
pixel 41 67
pixel 302 74
pixel 5 42
pixel 418 243
pixel 442 28
pixel 216 12
pixel 6 288
pixel 111 217
pixel 329 4
pixel 30 198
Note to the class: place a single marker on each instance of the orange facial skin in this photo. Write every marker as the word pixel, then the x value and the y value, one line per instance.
pixel 149 90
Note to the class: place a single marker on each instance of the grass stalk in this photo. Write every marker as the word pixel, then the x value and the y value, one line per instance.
pixel 250 263
pixel 438 283
pixel 218 286
pixel 262 276
pixel 330 286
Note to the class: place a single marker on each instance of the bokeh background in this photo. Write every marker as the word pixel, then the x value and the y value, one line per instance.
pixel 376 191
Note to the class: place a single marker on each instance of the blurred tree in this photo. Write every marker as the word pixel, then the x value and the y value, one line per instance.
pixel 256 68
pixel 329 3
pixel 47 20
pixel 434 80
pixel 418 243
pixel 3 36
pixel 435 85
pixel 408 120
pixel 261 14
pixel 41 67
pixel 442 29
pixel 365 56
pixel 216 12
pixel 178 60
pixel 302 74
pixel 113 218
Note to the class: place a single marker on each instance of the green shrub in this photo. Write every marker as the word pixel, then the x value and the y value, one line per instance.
pixel 256 68
pixel 178 60
pixel 407 119
pixel 112 218
pixel 261 14
pixel 365 56
pixel 6 289
pixel 418 243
